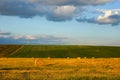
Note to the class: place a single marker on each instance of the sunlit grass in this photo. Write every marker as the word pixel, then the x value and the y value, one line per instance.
pixel 60 68
pixel 59 62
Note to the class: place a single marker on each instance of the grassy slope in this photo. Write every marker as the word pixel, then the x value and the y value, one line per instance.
pixel 67 51
pixel 6 50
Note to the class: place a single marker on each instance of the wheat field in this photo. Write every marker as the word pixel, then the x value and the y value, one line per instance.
pixel 60 68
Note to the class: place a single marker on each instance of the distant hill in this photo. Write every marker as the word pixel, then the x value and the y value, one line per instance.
pixel 58 51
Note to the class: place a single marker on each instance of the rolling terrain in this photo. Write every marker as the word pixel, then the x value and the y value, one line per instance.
pixel 7 50
pixel 50 62
pixel 58 51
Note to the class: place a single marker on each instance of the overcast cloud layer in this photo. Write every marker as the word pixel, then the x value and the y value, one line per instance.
pixel 61 10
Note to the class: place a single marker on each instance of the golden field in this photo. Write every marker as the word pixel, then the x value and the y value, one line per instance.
pixel 60 68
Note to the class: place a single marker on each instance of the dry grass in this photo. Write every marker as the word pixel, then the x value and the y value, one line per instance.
pixel 59 69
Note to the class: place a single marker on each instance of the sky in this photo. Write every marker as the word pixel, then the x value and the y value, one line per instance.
pixel 60 22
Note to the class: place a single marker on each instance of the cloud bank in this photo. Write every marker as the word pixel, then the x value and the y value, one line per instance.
pixel 59 10
pixel 9 38
pixel 105 17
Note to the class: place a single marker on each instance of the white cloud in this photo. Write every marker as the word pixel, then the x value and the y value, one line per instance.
pixel 55 10
pixel 102 17
pixel 106 19
pixel 30 37
pixel 64 10
pixel 5 34
pixel 62 13
pixel 60 10
pixel 6 38
pixel 17 36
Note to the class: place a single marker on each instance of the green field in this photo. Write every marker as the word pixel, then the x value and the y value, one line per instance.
pixel 7 50
pixel 63 62
pixel 59 51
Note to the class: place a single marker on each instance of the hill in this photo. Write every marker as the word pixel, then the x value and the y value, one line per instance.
pixel 7 50
pixel 59 51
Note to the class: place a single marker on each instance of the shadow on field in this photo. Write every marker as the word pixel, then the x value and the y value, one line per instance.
pixel 15 76
pixel 28 76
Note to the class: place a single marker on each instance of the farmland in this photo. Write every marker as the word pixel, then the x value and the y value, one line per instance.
pixel 63 62
pixel 7 50
pixel 59 69
pixel 64 51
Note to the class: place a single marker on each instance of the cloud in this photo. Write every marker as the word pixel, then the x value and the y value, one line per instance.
pixel 19 8
pixel 54 10
pixel 26 37
pixel 61 10
pixel 62 13
pixel 70 2
pixel 5 34
pixel 105 17
pixel 51 39
pixel 109 17
pixel 6 38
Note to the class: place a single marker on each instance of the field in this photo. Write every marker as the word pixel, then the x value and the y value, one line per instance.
pixel 63 51
pixel 59 69
pixel 52 62
pixel 7 50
